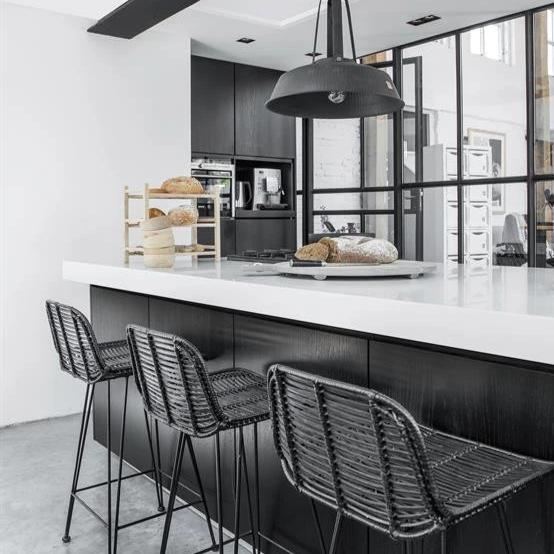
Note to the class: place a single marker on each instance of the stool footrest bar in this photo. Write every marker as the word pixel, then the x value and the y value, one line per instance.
pixel 87 507
pixel 154 516
pixel 104 483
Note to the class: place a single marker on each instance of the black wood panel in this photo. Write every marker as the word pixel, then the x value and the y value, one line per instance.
pixel 228 238
pixel 259 343
pixel 135 16
pixel 213 106
pixel 498 404
pixel 260 132
pixel 259 234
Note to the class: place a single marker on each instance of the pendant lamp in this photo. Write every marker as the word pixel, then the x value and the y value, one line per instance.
pixel 334 87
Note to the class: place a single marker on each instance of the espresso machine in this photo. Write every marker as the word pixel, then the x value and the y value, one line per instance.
pixel 267 189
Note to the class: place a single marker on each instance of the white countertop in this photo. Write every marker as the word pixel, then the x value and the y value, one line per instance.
pixel 505 311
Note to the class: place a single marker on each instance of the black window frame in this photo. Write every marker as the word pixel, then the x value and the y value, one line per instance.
pixel 399 187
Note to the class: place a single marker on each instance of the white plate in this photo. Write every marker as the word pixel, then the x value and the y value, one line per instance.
pixel 400 268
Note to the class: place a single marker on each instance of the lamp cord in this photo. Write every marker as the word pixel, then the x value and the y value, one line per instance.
pixel 316 30
pixel 350 29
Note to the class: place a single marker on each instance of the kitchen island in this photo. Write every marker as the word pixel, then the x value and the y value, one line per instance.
pixel 472 354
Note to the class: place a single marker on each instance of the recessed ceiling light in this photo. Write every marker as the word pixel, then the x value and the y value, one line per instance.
pixel 422 20
pixel 245 40
pixel 310 54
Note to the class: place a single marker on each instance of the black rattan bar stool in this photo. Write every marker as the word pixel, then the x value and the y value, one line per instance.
pixel 177 390
pixel 362 454
pixel 84 358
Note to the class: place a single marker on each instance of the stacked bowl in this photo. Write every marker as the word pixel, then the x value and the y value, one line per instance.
pixel 159 243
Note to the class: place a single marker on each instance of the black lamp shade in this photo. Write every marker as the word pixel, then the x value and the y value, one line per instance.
pixel 304 91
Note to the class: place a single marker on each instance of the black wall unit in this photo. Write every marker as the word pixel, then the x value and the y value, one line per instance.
pixel 260 234
pixel 228 240
pixel 260 132
pixel 213 106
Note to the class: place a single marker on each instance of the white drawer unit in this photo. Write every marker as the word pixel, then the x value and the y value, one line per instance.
pixel 441 207
pixel 477 214
pixel 477 242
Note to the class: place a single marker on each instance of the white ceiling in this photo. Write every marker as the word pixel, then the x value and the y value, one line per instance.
pixel 283 29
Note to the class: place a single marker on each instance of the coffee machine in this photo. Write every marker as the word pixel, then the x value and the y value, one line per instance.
pixel 267 189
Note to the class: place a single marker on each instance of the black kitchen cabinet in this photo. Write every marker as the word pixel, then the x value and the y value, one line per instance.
pixel 205 236
pixel 259 132
pixel 213 106
pixel 260 234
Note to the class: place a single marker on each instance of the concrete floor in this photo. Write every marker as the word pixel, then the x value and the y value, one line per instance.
pixel 36 468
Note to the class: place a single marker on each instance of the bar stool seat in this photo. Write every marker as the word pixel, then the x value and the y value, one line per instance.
pixel 116 358
pixel 471 476
pixel 241 395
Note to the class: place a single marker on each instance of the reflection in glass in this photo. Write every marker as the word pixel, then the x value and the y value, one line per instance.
pixel 545 223
pixel 544 97
pixel 380 226
pixel 429 90
pixel 494 100
pixel 508 223
pixel 346 224
pixel 381 200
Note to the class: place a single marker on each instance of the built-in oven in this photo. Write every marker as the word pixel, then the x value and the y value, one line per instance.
pixel 215 173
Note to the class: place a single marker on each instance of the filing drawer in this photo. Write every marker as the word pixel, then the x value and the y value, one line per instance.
pixel 452 243
pixel 478 193
pixel 477 242
pixel 451 162
pixel 452 194
pixel 477 264
pixel 477 163
pixel 452 215
pixel 477 215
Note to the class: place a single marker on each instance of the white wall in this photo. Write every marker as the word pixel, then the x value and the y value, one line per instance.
pixel 82 116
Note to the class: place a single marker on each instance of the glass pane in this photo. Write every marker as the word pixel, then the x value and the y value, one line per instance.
pixel 544 95
pixel 545 223
pixel 495 224
pixel 379 149
pixel 350 224
pixel 298 166
pixel 430 227
pixel 429 79
pixel 382 200
pixel 337 153
pixel 299 220
pixel 380 226
pixel 494 103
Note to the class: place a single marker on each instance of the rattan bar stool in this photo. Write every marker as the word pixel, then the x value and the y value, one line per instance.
pixel 177 390
pixel 84 358
pixel 363 455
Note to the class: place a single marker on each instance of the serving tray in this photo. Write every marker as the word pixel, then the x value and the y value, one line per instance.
pixel 400 268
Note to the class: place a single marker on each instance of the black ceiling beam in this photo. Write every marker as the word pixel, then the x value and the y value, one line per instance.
pixel 135 16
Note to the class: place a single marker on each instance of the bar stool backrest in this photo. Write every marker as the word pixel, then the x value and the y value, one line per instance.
pixel 355 450
pixel 172 379
pixel 75 342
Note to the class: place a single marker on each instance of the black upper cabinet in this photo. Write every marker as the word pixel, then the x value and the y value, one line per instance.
pixel 259 132
pixel 213 106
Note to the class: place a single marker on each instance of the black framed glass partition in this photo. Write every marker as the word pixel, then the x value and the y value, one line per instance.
pixel 465 174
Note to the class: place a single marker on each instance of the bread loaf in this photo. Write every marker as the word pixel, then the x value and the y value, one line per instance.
pixel 317 252
pixel 182 185
pixel 155 212
pixel 183 215
pixel 355 249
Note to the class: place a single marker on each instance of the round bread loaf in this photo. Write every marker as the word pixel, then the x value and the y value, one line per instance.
pixel 182 185
pixel 155 212
pixel 316 252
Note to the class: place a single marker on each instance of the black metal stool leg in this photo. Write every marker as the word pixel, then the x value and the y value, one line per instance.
pixel 201 491
pixel 503 519
pixel 219 493
pixel 318 527
pixel 120 467
pixel 238 481
pixel 257 489
pixel 78 458
pixel 443 542
pixel 157 472
pixel 248 495
pixel 173 491
pixel 336 533
pixel 109 449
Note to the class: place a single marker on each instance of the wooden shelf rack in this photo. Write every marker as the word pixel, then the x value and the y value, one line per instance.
pixel 213 250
